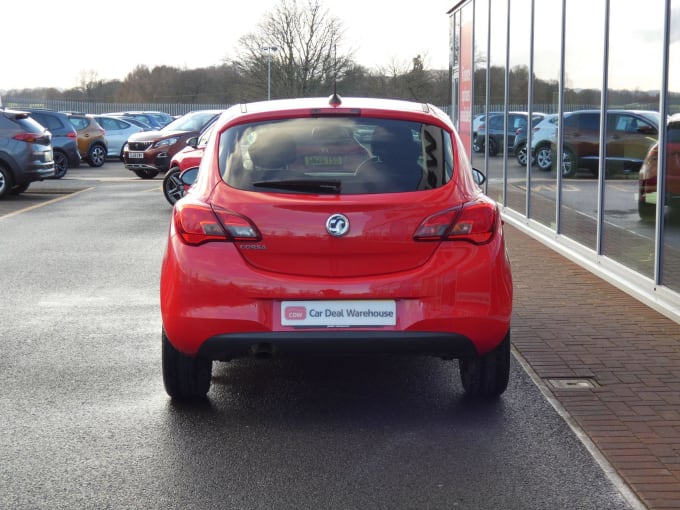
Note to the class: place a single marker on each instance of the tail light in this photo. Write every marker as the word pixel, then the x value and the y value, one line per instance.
pixel 39 138
pixel 197 223
pixel 73 135
pixel 475 222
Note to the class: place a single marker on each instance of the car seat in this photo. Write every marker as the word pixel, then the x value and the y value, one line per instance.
pixel 395 165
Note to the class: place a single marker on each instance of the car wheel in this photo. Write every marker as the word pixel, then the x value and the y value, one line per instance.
pixel 477 146
pixel 6 181
pixel 521 154
pixel 487 375
pixel 569 165
pixel 493 147
pixel 173 188
pixel 544 158
pixel 184 377
pixel 146 174
pixel 60 165
pixel 96 157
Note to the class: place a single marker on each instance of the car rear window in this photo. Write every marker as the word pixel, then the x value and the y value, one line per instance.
pixel 337 155
pixel 49 121
pixel 78 122
pixel 29 125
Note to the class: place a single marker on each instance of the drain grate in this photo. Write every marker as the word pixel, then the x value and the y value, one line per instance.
pixel 573 383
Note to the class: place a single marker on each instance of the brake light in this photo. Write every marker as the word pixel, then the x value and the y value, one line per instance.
pixel 475 222
pixel 39 138
pixel 197 223
pixel 73 135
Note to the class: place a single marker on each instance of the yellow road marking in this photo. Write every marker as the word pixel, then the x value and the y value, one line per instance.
pixel 42 204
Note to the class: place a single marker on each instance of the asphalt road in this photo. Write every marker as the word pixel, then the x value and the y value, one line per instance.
pixel 86 422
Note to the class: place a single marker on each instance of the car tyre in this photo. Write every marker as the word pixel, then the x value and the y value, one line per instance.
pixel 146 174
pixel 487 375
pixel 493 147
pixel 96 156
pixel 173 188
pixel 544 158
pixel 569 165
pixel 184 377
pixel 6 181
pixel 60 165
pixel 477 146
pixel 521 154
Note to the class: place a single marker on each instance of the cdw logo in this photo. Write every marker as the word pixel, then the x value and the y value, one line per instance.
pixel 295 313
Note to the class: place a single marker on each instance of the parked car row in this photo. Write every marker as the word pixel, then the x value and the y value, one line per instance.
pixel 149 153
pixel 500 137
pixel 630 135
pixel 39 143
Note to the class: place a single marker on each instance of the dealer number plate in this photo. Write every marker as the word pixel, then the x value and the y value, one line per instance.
pixel 339 314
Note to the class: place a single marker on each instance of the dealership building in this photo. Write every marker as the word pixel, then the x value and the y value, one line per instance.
pixel 611 205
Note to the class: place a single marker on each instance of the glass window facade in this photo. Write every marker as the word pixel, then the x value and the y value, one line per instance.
pixel 574 116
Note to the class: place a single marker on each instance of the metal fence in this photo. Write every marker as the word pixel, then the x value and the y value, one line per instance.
pixel 174 109
pixel 98 108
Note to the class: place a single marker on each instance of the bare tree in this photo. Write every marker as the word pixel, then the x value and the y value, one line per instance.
pixel 88 83
pixel 294 49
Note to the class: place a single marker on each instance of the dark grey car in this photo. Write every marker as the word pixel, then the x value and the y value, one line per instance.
pixel 25 152
pixel 64 139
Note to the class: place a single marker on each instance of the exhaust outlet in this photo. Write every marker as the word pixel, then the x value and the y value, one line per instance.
pixel 263 350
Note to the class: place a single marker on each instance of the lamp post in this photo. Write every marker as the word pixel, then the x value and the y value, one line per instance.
pixel 269 50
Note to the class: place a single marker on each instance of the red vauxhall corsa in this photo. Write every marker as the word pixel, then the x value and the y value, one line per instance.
pixel 335 226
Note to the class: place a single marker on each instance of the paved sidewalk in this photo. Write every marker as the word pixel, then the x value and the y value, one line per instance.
pixel 612 362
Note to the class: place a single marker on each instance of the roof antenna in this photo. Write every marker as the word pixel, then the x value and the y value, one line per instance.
pixel 335 99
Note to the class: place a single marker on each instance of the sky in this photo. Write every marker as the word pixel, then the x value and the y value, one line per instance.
pixel 52 44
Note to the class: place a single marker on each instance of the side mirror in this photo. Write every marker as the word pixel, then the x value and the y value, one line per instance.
pixel 188 176
pixel 192 142
pixel 478 176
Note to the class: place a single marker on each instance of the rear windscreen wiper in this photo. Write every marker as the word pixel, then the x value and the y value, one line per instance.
pixel 329 186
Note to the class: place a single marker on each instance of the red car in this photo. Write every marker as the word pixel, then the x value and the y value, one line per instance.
pixel 335 226
pixel 189 156
pixel 647 195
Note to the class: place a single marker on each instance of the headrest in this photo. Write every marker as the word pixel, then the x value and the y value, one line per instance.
pixel 272 148
pixel 330 134
pixel 394 144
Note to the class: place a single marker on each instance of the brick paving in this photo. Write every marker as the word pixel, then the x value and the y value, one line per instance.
pixel 569 323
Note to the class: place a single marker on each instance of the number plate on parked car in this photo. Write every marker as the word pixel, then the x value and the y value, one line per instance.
pixel 135 155
pixel 334 314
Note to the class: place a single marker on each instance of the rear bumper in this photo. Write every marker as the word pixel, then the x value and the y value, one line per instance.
pixel 230 346
pixel 37 173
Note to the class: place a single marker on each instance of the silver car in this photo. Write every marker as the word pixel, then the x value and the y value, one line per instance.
pixel 117 133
